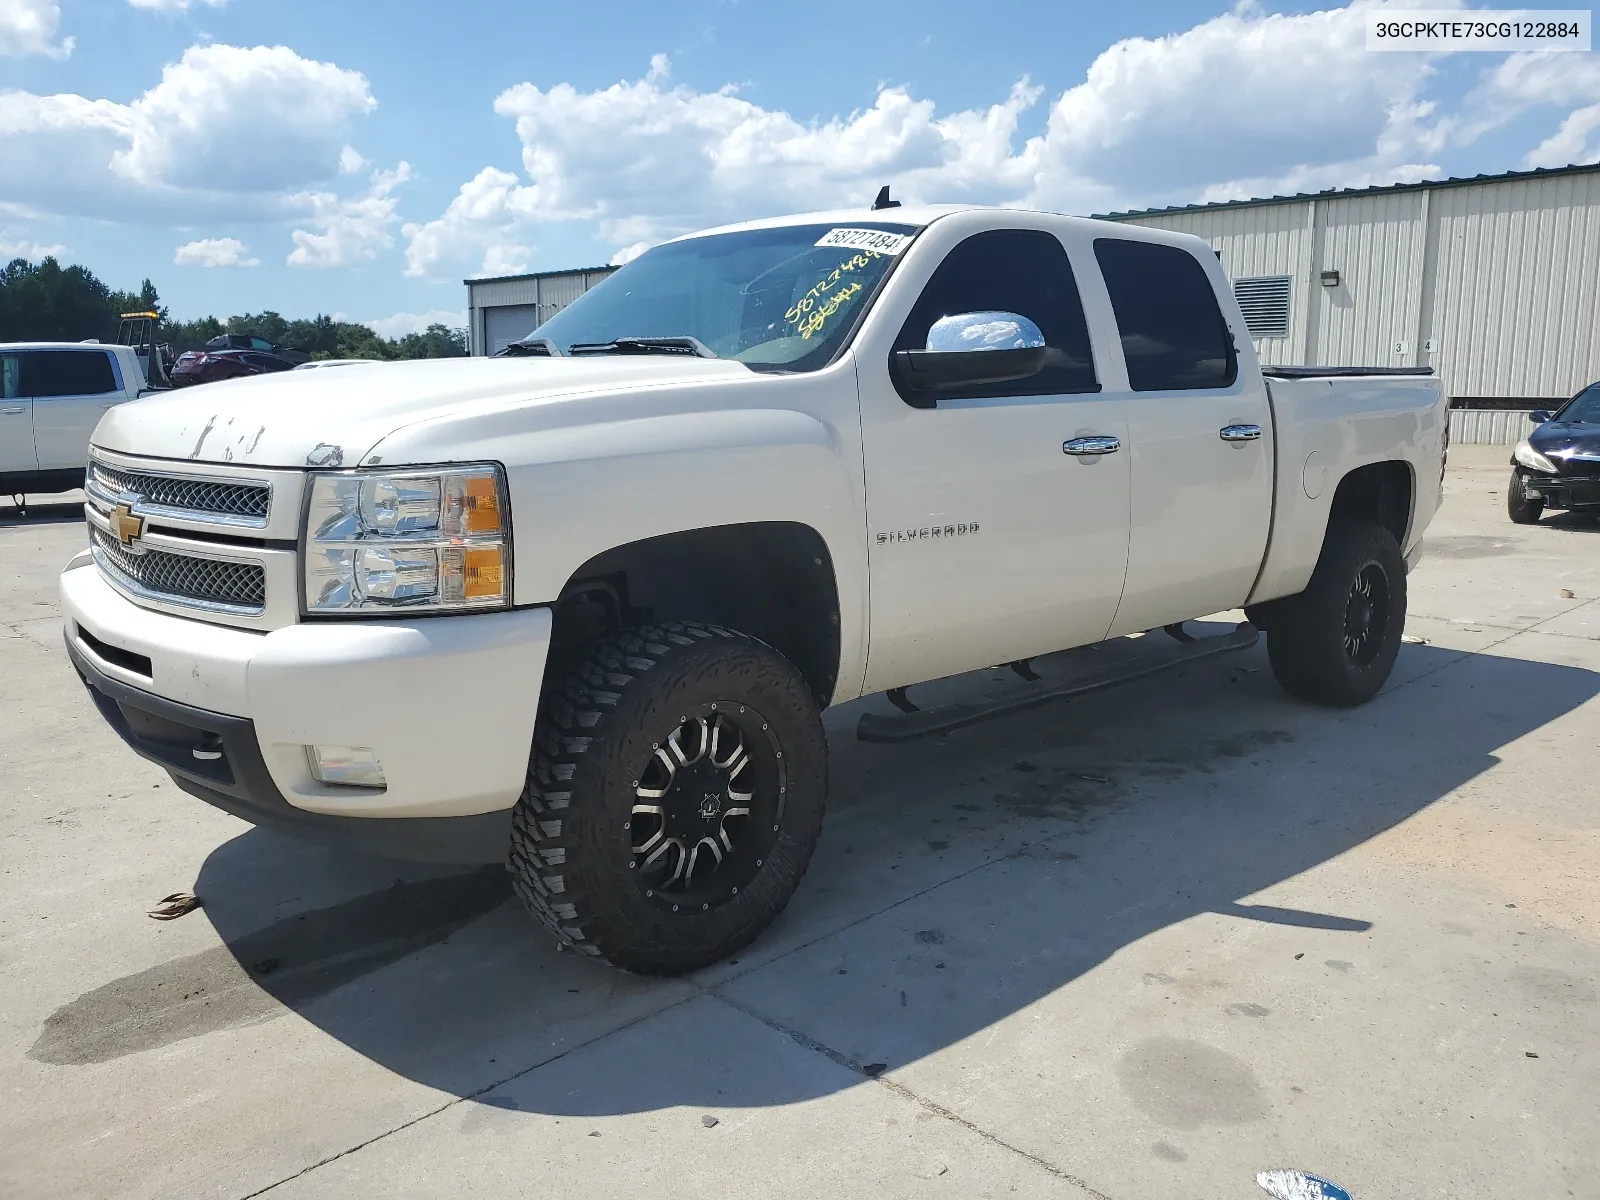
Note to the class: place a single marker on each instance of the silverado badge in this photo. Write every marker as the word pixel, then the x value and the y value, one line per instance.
pixel 125 525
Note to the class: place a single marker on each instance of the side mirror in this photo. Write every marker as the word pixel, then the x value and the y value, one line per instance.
pixel 971 350
pixel 1539 416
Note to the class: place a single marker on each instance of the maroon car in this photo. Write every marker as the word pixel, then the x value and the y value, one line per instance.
pixel 208 366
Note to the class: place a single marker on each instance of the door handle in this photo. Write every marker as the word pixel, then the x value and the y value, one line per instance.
pixel 1089 446
pixel 1239 433
pixel 12 412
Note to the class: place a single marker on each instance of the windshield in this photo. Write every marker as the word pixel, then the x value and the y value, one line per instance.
pixel 1584 408
pixel 779 298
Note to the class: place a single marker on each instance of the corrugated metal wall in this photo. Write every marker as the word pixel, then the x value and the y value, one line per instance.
pixel 1500 277
pixel 1488 426
pixel 546 293
pixel 1515 302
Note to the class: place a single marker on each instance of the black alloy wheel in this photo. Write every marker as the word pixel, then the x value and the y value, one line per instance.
pixel 707 807
pixel 675 795
pixel 1366 614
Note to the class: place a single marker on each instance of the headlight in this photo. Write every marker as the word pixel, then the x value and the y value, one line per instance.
pixel 428 540
pixel 1532 459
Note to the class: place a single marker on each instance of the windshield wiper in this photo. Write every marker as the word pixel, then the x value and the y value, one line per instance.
pixel 690 346
pixel 529 348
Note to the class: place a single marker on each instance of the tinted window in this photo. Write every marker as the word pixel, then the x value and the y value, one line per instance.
pixel 1174 337
pixel 48 373
pixel 10 376
pixel 1022 271
pixel 1584 408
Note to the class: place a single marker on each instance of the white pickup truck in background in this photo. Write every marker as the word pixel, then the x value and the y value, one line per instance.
pixel 579 608
pixel 52 395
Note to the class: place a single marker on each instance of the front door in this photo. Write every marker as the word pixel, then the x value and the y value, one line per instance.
pixel 71 391
pixel 1199 438
pixel 988 542
pixel 16 419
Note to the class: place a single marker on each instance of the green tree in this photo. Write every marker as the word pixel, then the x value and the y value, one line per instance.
pixel 45 301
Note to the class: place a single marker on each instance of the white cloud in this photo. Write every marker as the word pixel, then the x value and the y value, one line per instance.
pixel 401 324
pixel 1241 101
pixel 352 229
pixel 1577 141
pixel 1526 82
pixel 351 162
pixel 1246 103
pixel 228 131
pixel 215 252
pixel 33 251
pixel 29 27
pixel 174 5
pixel 628 253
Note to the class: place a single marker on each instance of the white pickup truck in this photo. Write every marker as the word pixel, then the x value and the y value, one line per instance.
pixel 52 395
pixel 578 609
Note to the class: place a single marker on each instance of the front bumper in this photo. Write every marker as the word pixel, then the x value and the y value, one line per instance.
pixel 1564 491
pixel 447 703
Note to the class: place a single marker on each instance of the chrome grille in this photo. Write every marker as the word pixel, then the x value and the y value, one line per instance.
pixel 184 578
pixel 203 497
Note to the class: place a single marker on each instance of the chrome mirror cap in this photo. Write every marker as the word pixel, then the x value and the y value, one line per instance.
pixel 965 332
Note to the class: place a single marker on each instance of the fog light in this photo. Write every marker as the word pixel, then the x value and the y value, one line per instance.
pixel 352 766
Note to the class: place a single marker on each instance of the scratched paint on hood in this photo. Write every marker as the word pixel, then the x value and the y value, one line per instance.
pixel 1299 1185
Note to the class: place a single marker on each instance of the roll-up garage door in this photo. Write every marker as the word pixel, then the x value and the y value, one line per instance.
pixel 502 326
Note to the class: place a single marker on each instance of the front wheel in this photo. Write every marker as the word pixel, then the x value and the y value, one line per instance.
pixel 1336 642
pixel 675 794
pixel 1523 507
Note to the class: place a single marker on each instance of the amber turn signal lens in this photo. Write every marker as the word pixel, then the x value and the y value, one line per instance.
pixel 483 573
pixel 482 505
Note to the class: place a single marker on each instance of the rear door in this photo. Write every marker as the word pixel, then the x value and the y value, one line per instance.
pixel 1200 438
pixel 988 543
pixel 16 418
pixel 71 389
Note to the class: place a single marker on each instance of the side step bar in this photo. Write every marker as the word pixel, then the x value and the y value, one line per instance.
pixel 879 727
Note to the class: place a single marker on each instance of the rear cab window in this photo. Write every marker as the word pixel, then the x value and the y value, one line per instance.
pixel 51 373
pixel 1174 336
pixel 1022 271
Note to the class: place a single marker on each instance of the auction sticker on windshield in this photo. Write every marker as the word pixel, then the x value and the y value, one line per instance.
pixel 865 239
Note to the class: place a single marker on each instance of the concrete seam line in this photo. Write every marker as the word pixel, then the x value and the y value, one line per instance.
pixel 810 1043
pixel 421 1117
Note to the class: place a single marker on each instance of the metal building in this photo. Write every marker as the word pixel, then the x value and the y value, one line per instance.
pixel 1493 281
pixel 509 307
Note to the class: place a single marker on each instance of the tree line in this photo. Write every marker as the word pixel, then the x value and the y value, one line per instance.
pixel 46 302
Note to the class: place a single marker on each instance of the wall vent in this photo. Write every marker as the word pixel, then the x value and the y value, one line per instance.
pixel 1265 303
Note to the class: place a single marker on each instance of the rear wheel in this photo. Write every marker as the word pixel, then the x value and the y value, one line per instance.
pixel 1523 507
pixel 1336 642
pixel 675 794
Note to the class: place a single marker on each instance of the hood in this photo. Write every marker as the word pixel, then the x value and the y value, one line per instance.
pixel 1573 448
pixel 335 418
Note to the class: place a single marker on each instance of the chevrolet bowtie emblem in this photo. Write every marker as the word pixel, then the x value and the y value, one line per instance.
pixel 125 525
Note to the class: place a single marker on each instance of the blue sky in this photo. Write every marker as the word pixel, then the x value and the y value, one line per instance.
pixel 362 158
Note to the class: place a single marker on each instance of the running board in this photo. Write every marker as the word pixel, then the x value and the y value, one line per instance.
pixel 879 727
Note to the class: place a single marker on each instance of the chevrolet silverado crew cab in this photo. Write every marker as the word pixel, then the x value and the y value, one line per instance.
pixel 578 608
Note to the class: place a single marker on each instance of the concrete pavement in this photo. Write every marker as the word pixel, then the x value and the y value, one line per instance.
pixel 1144 944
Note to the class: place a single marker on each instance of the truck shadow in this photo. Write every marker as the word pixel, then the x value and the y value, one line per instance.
pixel 959 881
pixel 58 509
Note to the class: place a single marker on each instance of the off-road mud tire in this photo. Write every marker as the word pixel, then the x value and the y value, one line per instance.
pixel 571 856
pixel 1307 639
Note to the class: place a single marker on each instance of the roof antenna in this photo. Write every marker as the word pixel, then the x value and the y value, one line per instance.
pixel 883 200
